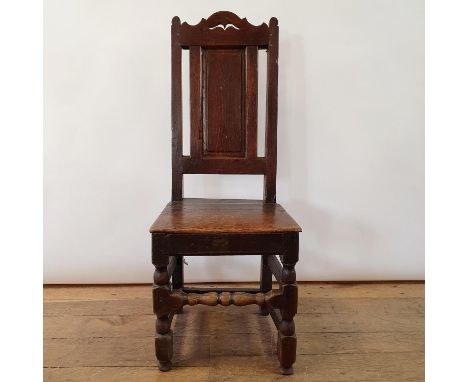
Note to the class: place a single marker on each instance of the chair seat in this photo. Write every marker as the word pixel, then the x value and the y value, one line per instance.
pixel 224 216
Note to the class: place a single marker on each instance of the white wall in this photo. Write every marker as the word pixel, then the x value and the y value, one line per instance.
pixel 350 137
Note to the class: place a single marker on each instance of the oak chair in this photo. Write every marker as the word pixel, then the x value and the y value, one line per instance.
pixel 223 140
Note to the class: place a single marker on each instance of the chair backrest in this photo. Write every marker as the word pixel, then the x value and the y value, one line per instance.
pixel 223 99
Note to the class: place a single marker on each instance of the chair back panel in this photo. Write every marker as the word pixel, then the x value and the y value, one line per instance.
pixel 224 99
pixel 223 110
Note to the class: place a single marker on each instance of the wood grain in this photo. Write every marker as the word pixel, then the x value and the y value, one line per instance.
pixel 224 99
pixel 142 305
pixel 346 290
pixel 122 351
pixel 176 110
pixel 223 109
pixel 378 367
pixel 126 374
pixel 223 139
pixel 251 100
pixel 195 103
pixel 269 190
pixel 348 332
pixel 224 29
pixel 223 216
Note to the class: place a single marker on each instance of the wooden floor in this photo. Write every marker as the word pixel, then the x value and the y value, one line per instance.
pixel 346 332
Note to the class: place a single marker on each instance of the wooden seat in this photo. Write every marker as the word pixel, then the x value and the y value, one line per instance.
pixel 223 54
pixel 223 215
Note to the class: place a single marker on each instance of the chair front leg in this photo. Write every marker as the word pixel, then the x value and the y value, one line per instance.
pixel 287 341
pixel 164 336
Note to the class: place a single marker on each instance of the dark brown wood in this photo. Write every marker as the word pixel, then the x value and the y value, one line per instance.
pixel 287 340
pixel 224 99
pixel 216 244
pixel 275 267
pixel 224 29
pixel 176 101
pixel 275 316
pixel 266 282
pixel 178 274
pixel 271 112
pixel 165 300
pixel 223 166
pixel 195 103
pixel 223 140
pixel 223 88
pixel 171 266
pixel 163 340
pixel 251 99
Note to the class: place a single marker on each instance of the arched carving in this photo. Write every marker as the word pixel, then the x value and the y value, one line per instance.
pixel 226 20
pixel 222 28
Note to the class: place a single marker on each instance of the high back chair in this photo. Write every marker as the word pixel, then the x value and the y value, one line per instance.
pixel 223 140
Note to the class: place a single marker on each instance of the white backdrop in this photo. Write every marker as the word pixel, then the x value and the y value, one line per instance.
pixel 350 137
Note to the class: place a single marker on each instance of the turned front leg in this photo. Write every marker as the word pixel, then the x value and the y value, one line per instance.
pixel 164 336
pixel 287 341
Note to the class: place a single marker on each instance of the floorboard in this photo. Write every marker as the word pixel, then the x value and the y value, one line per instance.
pixel 346 332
